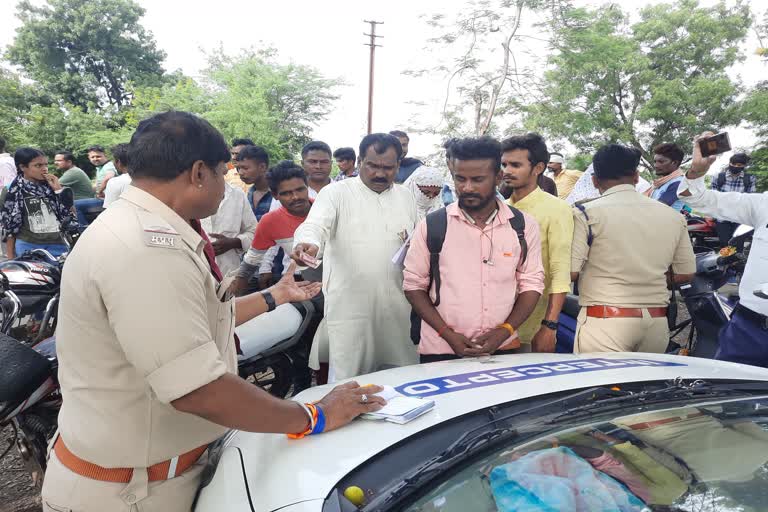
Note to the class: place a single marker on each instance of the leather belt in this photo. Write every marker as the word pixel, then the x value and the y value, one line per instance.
pixel 157 472
pixel 616 312
pixel 648 424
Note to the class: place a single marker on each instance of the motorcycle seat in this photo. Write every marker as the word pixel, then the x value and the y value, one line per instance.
pixel 23 370
pixel 571 306
pixel 265 331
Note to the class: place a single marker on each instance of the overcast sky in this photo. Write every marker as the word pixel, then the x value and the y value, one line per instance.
pixel 329 36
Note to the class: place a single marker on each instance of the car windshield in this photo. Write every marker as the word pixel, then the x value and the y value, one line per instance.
pixel 711 457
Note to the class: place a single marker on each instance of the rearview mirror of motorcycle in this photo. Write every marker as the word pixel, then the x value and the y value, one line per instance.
pixel 67 197
pixel 762 292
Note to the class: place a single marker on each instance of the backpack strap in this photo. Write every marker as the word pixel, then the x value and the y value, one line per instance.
pixel 590 236
pixel 437 226
pixel 518 224
pixel 720 180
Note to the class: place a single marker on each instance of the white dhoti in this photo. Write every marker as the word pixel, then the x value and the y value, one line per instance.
pixel 367 318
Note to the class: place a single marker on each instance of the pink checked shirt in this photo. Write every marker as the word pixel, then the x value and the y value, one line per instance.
pixel 475 297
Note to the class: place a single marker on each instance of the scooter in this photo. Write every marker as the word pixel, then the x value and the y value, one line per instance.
pixel 703 233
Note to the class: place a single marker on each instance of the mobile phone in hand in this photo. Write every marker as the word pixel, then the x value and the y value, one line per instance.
pixel 715 145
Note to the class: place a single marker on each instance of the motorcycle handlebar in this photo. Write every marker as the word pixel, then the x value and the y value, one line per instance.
pixel 724 261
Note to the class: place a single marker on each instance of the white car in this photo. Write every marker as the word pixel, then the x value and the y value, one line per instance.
pixel 565 431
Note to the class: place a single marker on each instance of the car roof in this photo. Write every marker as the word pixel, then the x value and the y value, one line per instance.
pixel 307 469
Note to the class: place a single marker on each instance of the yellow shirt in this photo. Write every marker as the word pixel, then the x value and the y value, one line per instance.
pixel 565 182
pixel 556 227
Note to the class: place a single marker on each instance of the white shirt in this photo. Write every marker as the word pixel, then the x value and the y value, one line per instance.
pixel 7 170
pixel 585 189
pixel 115 187
pixel 235 219
pixel 749 209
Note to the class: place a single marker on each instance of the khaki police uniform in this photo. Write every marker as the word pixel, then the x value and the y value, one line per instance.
pixel 635 241
pixel 142 322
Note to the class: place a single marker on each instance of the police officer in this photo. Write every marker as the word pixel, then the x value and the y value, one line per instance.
pixel 627 249
pixel 145 338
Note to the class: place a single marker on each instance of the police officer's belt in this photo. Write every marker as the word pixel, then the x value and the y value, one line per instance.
pixel 161 471
pixel 615 312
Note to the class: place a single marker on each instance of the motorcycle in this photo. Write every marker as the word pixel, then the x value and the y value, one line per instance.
pixel 708 309
pixel 703 233
pixel 269 346
pixel 29 400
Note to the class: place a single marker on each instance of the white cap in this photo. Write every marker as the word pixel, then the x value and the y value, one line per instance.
pixel 556 159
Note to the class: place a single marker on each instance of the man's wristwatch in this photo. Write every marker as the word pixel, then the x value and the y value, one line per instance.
pixel 550 325
pixel 270 300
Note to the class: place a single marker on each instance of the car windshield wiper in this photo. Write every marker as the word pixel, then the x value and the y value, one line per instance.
pixel 675 391
pixel 583 403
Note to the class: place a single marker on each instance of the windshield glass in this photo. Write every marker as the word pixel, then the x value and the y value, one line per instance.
pixel 704 458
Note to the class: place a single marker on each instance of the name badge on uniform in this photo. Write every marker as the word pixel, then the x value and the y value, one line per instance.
pixel 159 239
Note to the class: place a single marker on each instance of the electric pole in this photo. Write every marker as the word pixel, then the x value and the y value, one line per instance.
pixel 373 46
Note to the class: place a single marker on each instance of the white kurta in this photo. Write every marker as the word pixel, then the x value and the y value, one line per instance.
pixel 367 318
pixel 235 219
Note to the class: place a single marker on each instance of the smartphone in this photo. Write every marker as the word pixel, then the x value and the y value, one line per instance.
pixel 715 145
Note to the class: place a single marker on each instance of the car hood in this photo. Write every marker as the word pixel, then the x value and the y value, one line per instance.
pixel 309 468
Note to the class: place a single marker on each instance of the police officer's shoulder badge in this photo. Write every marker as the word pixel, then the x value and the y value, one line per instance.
pixel 157 232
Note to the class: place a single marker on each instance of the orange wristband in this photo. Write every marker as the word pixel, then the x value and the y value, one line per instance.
pixel 442 330
pixel 508 327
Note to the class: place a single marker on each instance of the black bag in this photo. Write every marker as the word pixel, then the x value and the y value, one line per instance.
pixel 437 226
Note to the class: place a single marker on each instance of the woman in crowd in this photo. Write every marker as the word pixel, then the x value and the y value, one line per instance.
pixel 32 214
pixel 426 184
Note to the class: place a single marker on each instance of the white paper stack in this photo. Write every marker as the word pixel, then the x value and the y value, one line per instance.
pixel 400 408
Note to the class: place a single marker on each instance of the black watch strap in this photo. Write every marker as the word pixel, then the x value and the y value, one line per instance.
pixel 270 300
pixel 550 325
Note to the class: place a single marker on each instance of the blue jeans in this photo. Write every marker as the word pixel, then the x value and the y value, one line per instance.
pixel 56 250
pixel 744 339
pixel 82 206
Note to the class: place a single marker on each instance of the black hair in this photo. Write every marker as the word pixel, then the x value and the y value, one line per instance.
pixel 2 144
pixel 447 146
pixel 242 142
pixel 167 144
pixel 120 153
pixel 23 156
pixel 98 149
pixel 345 154
pixel 533 142
pixel 66 154
pixel 282 171
pixel 381 142
pixel 400 134
pixel 480 148
pixel 315 145
pixel 614 162
pixel 671 151
pixel 740 158
pixel 256 153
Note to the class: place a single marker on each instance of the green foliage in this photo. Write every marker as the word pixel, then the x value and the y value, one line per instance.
pixel 662 79
pixel 86 52
pixel 579 162
pixel 755 109
pixel 759 167
pixel 274 104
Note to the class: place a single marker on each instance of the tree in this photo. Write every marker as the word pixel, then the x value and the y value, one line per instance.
pixel 484 83
pixel 662 79
pixel 275 104
pixel 86 52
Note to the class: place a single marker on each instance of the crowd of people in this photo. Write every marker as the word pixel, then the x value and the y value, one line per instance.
pixel 407 263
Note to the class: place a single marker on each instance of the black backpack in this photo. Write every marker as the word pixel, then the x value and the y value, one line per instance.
pixel 749 180
pixel 437 226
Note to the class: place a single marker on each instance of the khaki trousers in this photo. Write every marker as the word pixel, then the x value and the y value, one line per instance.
pixel 65 491
pixel 621 334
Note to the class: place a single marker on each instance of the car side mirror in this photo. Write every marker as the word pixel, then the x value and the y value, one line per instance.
pixel 67 197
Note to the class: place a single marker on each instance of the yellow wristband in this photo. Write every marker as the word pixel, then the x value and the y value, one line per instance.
pixel 508 327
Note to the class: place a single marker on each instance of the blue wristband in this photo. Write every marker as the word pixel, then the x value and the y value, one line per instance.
pixel 320 425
